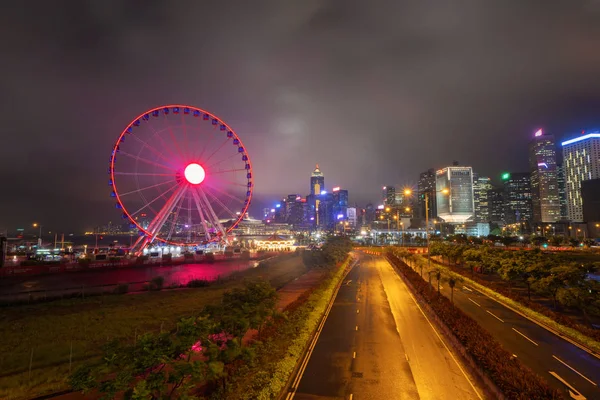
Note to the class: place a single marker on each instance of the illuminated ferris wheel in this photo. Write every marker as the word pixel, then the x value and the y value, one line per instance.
pixel 180 176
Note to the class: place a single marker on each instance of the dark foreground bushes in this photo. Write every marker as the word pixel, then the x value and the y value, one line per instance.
pixel 514 379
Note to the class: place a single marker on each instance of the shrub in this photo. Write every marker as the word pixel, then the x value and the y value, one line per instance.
pixel 198 283
pixel 121 288
pixel 167 257
pixel 209 257
pixel 245 255
pixel 188 256
pixel 156 283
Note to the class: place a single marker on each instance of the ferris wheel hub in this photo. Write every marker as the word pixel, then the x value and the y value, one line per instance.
pixel 194 173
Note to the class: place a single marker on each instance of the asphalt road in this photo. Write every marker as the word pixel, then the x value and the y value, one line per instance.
pixel 377 344
pixel 563 364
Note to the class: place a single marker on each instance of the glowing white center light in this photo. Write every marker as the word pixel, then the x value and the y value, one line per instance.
pixel 194 174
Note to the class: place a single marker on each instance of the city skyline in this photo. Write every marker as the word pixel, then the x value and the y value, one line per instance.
pixel 74 81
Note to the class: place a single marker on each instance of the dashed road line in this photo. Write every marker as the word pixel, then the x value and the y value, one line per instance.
pixel 473 301
pixel 574 370
pixel 525 336
pixel 494 315
pixel 576 395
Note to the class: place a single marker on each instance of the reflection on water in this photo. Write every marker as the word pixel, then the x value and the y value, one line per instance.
pixel 173 275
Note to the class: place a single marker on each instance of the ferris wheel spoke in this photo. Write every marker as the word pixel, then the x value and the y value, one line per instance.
pixel 151 148
pixel 148 204
pixel 220 203
pixel 208 142
pixel 224 193
pixel 145 160
pixel 175 218
pixel 228 170
pixel 201 213
pixel 217 150
pixel 232 183
pixel 223 160
pixel 212 214
pixel 186 144
pixel 189 217
pixel 162 216
pixel 157 134
pixel 144 188
pixel 141 174
pixel 175 141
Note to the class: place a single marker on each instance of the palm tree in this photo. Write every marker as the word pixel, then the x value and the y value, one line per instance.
pixel 452 283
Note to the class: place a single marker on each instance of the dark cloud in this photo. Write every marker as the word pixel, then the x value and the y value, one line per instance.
pixel 375 92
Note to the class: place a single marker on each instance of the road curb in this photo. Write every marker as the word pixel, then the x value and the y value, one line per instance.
pixel 288 388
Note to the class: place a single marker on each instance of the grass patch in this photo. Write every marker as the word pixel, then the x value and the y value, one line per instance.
pixel 534 315
pixel 51 328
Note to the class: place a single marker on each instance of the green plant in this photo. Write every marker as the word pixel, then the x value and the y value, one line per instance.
pixel 156 283
pixel 121 288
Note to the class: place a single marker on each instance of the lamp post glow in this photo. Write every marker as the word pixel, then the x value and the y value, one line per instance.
pixel 36 225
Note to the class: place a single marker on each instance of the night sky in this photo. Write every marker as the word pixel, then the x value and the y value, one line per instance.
pixel 374 91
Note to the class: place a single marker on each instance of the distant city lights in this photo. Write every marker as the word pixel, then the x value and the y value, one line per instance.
pixel 323 191
pixel 336 189
pixel 539 133
pixel 380 207
pixel 277 205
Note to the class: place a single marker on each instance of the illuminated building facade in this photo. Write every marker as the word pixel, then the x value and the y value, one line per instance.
pixel 581 160
pixel 317 181
pixel 517 197
pixel 457 206
pixel 562 192
pixel 389 195
pixel 544 183
pixel 481 187
pixel 426 185
pixel 340 203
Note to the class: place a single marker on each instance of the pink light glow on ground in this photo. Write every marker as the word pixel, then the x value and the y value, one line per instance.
pixel 194 173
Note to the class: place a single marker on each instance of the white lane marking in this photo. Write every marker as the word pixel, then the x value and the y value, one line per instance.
pixel 354 355
pixel 576 395
pixel 525 336
pixel 468 288
pixel 406 355
pixel 357 310
pixel 304 363
pixel 541 325
pixel 494 315
pixel 470 299
pixel 347 283
pixel 356 328
pixel 514 355
pixel 574 370
pixel 444 343
pixel 350 398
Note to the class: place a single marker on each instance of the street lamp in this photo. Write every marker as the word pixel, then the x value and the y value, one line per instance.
pixel 36 225
pixel 444 191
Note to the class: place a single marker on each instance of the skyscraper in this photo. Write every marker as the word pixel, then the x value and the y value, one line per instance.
pixel 481 187
pixel 340 203
pixel 544 184
pixel 389 195
pixel 426 185
pixel 457 205
pixel 517 197
pixel 562 192
pixel 581 158
pixel 317 181
pixel 496 205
